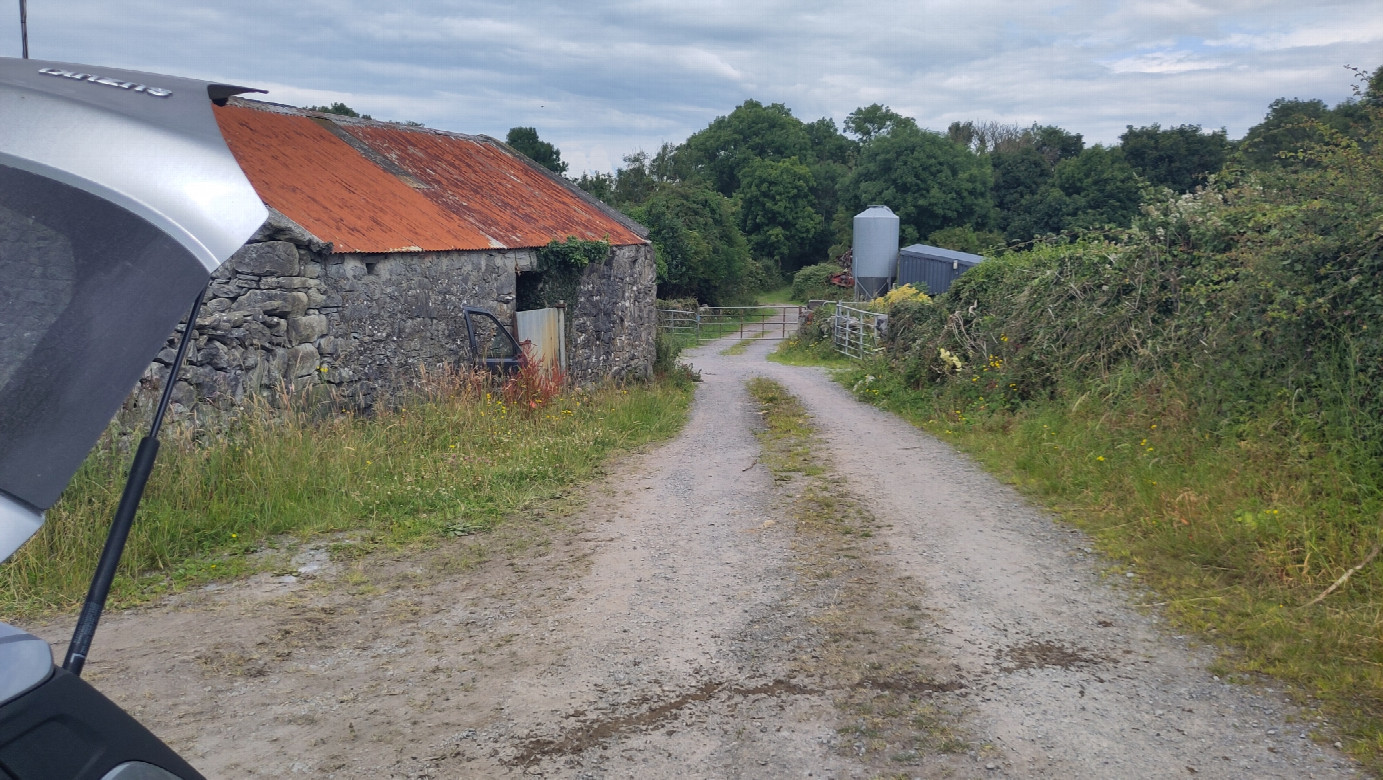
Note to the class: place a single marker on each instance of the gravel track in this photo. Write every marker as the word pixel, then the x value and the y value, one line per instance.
pixel 670 628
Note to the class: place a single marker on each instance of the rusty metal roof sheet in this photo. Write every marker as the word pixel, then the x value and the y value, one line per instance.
pixel 376 187
pixel 494 190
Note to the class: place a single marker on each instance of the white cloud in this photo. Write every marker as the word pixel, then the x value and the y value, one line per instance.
pixel 1166 62
pixel 1342 31
pixel 605 78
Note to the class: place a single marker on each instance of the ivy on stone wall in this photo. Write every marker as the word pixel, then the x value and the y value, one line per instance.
pixel 558 273
pixel 572 253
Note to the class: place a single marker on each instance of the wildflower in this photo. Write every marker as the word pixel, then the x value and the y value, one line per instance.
pixel 953 363
pixel 1099 458
pixel 235 536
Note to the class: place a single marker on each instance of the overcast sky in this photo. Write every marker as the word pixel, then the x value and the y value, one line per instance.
pixel 603 78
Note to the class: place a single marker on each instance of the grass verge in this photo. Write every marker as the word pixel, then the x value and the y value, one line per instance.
pixel 777 295
pixel 738 348
pixel 801 352
pixel 454 462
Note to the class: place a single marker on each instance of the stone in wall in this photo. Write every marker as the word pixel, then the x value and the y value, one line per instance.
pixel 391 315
pixel 615 319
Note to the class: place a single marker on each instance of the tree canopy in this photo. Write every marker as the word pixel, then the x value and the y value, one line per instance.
pixel 526 141
pixel 929 181
pixel 778 212
pixel 1180 157
pixel 785 190
pixel 700 250
pixel 340 109
pixel 751 132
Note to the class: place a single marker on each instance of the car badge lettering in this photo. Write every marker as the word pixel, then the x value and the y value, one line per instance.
pixel 96 78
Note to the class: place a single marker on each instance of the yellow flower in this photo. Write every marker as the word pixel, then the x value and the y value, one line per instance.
pixel 1099 458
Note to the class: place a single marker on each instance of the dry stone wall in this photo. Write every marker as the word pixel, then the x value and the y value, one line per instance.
pixel 286 313
pixel 615 317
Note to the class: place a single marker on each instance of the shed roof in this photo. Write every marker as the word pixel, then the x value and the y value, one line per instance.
pixel 937 253
pixel 377 187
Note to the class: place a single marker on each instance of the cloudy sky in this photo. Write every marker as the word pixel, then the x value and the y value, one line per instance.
pixel 603 78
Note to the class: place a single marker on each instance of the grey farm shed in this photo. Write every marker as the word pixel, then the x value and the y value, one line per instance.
pixel 933 266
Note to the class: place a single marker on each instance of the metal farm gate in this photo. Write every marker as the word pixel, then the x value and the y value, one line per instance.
pixel 855 332
pixel 768 323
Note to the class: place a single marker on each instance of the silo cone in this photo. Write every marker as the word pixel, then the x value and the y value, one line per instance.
pixel 875 249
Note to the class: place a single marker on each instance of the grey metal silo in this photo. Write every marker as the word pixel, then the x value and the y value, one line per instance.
pixel 875 249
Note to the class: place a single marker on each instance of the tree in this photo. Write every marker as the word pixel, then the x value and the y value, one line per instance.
pixel 1019 174
pixel 1101 188
pixel 751 132
pixel 1054 143
pixel 1290 126
pixel 601 185
pixel 525 141
pixel 875 120
pixel 827 144
pixel 929 181
pixel 778 214
pixel 1179 157
pixel 983 137
pixel 1094 189
pixel 966 239
pixel 340 109
pixel 698 245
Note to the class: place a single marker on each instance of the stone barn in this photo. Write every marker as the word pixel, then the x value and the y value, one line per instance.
pixel 379 234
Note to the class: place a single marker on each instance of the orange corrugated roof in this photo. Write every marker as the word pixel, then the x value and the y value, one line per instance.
pixel 492 189
pixel 465 193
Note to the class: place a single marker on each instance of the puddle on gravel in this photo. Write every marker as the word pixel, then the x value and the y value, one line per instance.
pixel 1038 654
pixel 592 733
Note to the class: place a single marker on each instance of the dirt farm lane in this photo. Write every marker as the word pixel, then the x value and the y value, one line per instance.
pixel 685 620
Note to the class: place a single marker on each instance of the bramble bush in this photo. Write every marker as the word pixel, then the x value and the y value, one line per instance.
pixel 1203 391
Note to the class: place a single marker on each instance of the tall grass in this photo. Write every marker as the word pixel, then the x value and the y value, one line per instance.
pixel 456 459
